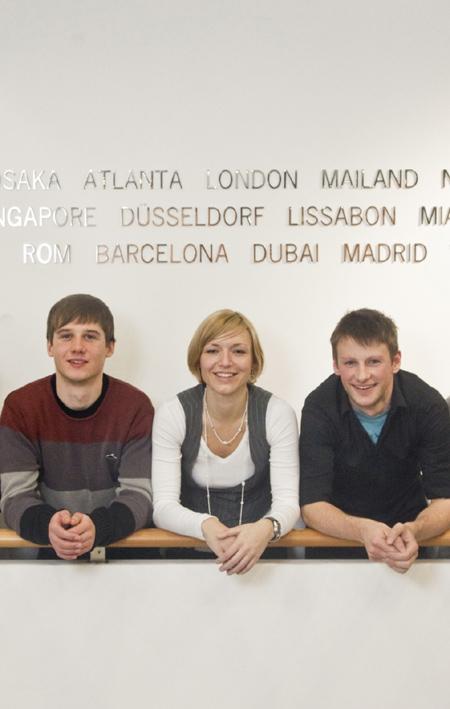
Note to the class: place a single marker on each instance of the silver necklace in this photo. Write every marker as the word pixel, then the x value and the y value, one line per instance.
pixel 208 491
pixel 213 428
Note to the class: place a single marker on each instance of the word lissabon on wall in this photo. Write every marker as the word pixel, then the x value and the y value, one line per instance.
pixel 291 217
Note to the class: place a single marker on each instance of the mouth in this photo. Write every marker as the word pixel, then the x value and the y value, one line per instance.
pixel 363 387
pixel 224 375
pixel 77 362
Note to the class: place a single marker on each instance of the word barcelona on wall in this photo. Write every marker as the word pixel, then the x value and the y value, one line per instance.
pixel 284 215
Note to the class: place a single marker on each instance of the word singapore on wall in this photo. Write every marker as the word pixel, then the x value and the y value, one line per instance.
pixel 153 210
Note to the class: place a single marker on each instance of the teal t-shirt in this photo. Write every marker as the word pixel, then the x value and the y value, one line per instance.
pixel 372 424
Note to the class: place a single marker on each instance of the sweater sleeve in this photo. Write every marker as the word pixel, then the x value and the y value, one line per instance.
pixel 282 436
pixel 132 507
pixel 168 434
pixel 21 503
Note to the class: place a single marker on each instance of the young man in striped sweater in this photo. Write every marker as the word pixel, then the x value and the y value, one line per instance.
pixel 75 446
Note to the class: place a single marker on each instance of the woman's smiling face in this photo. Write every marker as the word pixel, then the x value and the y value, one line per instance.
pixel 226 362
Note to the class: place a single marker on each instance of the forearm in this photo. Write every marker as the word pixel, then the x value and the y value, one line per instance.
pixel 131 510
pixel 169 431
pixel 284 507
pixel 34 523
pixel 22 506
pixel 135 493
pixel 282 434
pixel 168 512
pixel 331 520
pixel 433 520
pixel 286 514
pixel 112 523
pixel 171 515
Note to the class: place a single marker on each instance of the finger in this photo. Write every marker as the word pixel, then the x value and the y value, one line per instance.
pixel 83 522
pixel 64 516
pixel 228 553
pixel 379 540
pixel 66 554
pixel 227 533
pixel 86 547
pixel 81 527
pixel 249 566
pixel 378 556
pixel 232 561
pixel 65 534
pixel 409 552
pixel 238 570
pixel 399 567
pixel 67 547
pixel 399 544
pixel 398 570
pixel 396 531
pixel 403 563
pixel 379 551
pixel 66 557
pixel 240 566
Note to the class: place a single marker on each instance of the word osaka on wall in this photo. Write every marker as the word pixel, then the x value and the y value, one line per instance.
pixel 275 203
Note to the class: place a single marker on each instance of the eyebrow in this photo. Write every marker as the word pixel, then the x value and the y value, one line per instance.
pixel 217 343
pixel 69 329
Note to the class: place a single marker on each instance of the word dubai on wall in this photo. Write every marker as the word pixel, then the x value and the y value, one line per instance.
pixel 147 221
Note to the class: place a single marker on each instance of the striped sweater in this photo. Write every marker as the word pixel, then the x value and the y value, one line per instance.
pixel 98 464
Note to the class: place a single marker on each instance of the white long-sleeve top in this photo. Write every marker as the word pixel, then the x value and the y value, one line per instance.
pixel 169 430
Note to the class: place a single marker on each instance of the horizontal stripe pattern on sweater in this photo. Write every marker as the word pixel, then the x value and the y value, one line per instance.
pixel 46 456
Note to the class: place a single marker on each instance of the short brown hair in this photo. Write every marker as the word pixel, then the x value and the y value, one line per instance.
pixel 218 324
pixel 81 308
pixel 366 326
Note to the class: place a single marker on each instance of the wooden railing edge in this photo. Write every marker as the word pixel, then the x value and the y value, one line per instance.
pixel 153 537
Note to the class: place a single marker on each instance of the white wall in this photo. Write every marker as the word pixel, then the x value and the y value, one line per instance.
pixel 237 85
pixel 214 85
pixel 173 635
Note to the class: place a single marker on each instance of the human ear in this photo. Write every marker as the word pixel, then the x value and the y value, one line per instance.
pixel 396 362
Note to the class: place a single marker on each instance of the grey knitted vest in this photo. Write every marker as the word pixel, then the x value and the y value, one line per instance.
pixel 225 502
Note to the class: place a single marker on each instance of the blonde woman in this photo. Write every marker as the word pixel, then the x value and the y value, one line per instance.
pixel 225 453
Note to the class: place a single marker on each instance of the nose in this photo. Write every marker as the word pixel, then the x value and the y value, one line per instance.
pixel 225 358
pixel 362 373
pixel 78 344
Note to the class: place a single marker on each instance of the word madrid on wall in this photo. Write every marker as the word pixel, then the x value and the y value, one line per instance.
pixel 200 213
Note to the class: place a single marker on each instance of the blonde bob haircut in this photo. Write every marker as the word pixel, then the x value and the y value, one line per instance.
pixel 216 325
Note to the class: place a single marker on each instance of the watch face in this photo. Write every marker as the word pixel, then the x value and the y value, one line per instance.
pixel 276 529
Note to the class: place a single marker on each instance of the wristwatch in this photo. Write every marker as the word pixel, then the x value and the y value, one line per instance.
pixel 276 529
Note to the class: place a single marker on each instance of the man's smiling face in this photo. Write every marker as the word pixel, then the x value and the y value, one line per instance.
pixel 79 351
pixel 367 374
